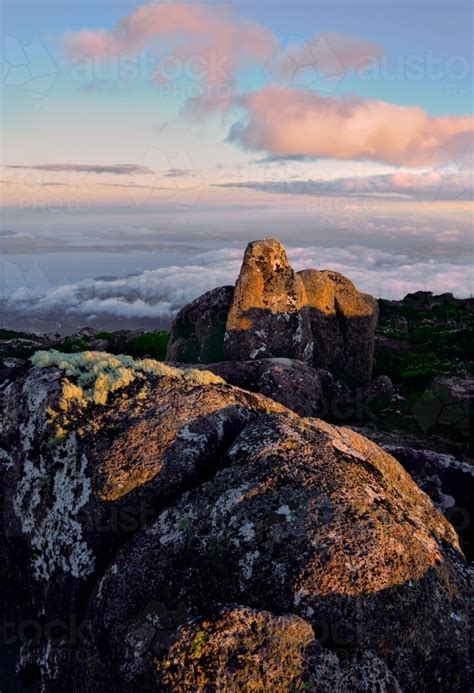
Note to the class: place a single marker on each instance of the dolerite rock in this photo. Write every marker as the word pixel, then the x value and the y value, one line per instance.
pixel 292 383
pixel 79 477
pixel 343 322
pixel 314 316
pixel 171 527
pixel 238 649
pixel 266 317
pixel 361 404
pixel 302 520
pixel 197 333
pixel 305 390
pixel 241 649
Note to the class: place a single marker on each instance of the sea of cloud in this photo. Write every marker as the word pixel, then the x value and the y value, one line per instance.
pixel 160 293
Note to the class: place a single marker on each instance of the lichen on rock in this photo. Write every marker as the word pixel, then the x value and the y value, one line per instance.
pixel 99 374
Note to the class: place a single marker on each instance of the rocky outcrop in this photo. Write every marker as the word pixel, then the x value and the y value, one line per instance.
pixel 201 536
pixel 197 333
pixel 317 317
pixel 91 451
pixel 266 317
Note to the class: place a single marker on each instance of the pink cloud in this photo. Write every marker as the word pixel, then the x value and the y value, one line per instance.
pixel 289 122
pixel 212 43
pixel 187 29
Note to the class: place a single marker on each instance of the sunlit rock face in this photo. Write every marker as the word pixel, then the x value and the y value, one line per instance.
pixel 266 317
pixel 315 316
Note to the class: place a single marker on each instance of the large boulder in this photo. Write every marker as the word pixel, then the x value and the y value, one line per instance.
pixel 343 322
pixel 266 318
pixel 293 383
pixel 197 333
pixel 173 532
pixel 302 519
pixel 92 447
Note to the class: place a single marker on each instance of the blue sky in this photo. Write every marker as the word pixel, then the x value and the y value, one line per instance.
pixel 404 28
pixel 76 118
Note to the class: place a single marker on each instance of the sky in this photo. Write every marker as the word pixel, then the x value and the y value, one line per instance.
pixel 140 137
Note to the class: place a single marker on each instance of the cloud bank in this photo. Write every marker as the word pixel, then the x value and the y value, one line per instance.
pixel 162 292
pixel 115 169
pixel 426 186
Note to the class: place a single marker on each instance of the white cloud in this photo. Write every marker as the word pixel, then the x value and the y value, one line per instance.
pixel 160 293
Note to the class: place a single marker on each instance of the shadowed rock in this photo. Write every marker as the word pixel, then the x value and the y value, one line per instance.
pixel 197 333
pixel 342 321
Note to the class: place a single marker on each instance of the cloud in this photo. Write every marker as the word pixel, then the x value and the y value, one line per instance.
pixel 190 30
pixel 295 122
pixel 116 169
pixel 177 172
pixel 209 42
pixel 160 293
pixel 430 186
pixel 321 61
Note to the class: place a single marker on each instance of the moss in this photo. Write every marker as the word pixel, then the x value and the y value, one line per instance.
pixel 390 332
pixel 426 366
pixel 183 524
pixel 98 374
pixel 92 376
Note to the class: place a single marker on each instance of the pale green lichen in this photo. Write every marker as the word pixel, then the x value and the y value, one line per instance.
pixel 97 374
